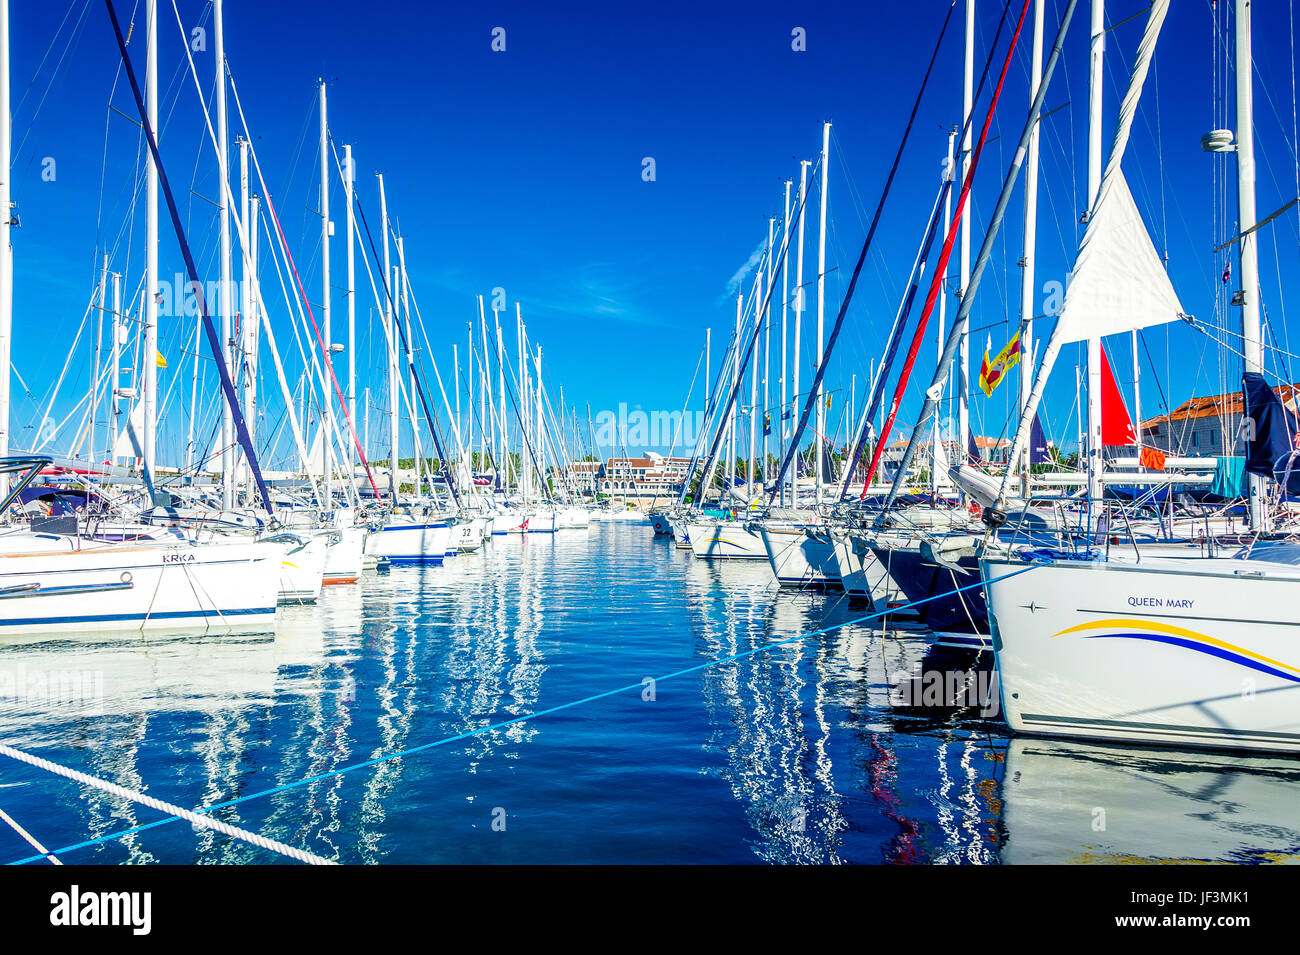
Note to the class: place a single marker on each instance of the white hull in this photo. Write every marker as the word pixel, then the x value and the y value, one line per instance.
pixel 801 557
pixel 466 536
pixel 614 515
pixel 726 540
pixel 302 569
pixel 572 517
pixel 424 542
pixel 539 522
pixel 345 558
pixel 135 587
pixel 862 575
pixel 1189 652
pixel 511 522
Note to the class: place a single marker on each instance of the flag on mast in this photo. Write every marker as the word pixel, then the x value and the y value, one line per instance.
pixel 992 373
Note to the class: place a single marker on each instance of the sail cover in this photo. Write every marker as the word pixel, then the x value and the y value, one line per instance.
pixel 1119 282
pixel 1038 453
pixel 1270 432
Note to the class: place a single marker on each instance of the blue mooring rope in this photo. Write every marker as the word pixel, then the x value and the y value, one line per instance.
pixel 113 836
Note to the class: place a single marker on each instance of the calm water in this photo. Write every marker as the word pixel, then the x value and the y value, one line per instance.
pixel 801 752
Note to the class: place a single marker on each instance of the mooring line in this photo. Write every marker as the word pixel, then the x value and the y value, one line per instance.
pixel 193 818
pixel 640 684
pixel 30 839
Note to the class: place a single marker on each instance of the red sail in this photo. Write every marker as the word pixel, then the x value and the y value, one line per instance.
pixel 1116 425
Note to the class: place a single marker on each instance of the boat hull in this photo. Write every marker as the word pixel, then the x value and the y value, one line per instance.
pixel 1200 653
pixel 212 586
pixel 726 540
pixel 863 576
pixel 801 556
pixel 416 543
pixel 953 609
pixel 345 558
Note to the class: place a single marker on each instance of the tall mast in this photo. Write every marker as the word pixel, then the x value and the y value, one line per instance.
pixel 1095 80
pixel 460 425
pixel 785 307
pixel 1251 343
pixel 1029 240
pixel 708 357
pixel 735 380
pixel 484 392
pixel 525 472
pixel 252 321
pixel 96 361
pixel 224 304
pixel 149 386
pixel 326 230
pixel 798 321
pixel 821 306
pixel 767 352
pixel 539 428
pixel 753 388
pixel 115 353
pixel 963 349
pixel 404 305
pixel 393 380
pixel 247 322
pixel 501 395
pixel 349 177
pixel 937 424
pixel 6 250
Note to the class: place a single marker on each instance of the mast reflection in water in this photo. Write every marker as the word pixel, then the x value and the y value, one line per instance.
pixel 817 751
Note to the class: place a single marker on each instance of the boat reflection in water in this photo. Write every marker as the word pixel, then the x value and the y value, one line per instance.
pixel 114 706
pixel 815 750
pixel 1072 802
pixel 791 730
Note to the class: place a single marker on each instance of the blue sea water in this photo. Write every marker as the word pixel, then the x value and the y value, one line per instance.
pixel 786 751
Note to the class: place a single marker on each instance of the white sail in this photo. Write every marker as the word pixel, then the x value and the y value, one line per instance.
pixel 1119 283
pixel 315 463
pixel 126 444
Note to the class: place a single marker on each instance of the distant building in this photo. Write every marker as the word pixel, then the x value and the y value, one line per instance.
pixel 992 450
pixel 585 475
pixel 651 476
pixel 1206 427
pixel 893 453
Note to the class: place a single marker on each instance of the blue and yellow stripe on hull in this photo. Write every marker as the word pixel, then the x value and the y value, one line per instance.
pixel 1130 629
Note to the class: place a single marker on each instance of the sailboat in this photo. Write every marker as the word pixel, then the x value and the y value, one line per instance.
pixel 1197 651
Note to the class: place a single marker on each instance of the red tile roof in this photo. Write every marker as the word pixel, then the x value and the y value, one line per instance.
pixel 1214 406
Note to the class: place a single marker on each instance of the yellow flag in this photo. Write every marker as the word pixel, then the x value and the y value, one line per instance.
pixel 162 362
pixel 992 373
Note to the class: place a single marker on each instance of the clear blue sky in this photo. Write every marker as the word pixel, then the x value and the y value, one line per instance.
pixel 522 169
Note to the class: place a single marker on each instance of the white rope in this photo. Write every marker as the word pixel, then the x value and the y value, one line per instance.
pixel 193 818
pixel 29 838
